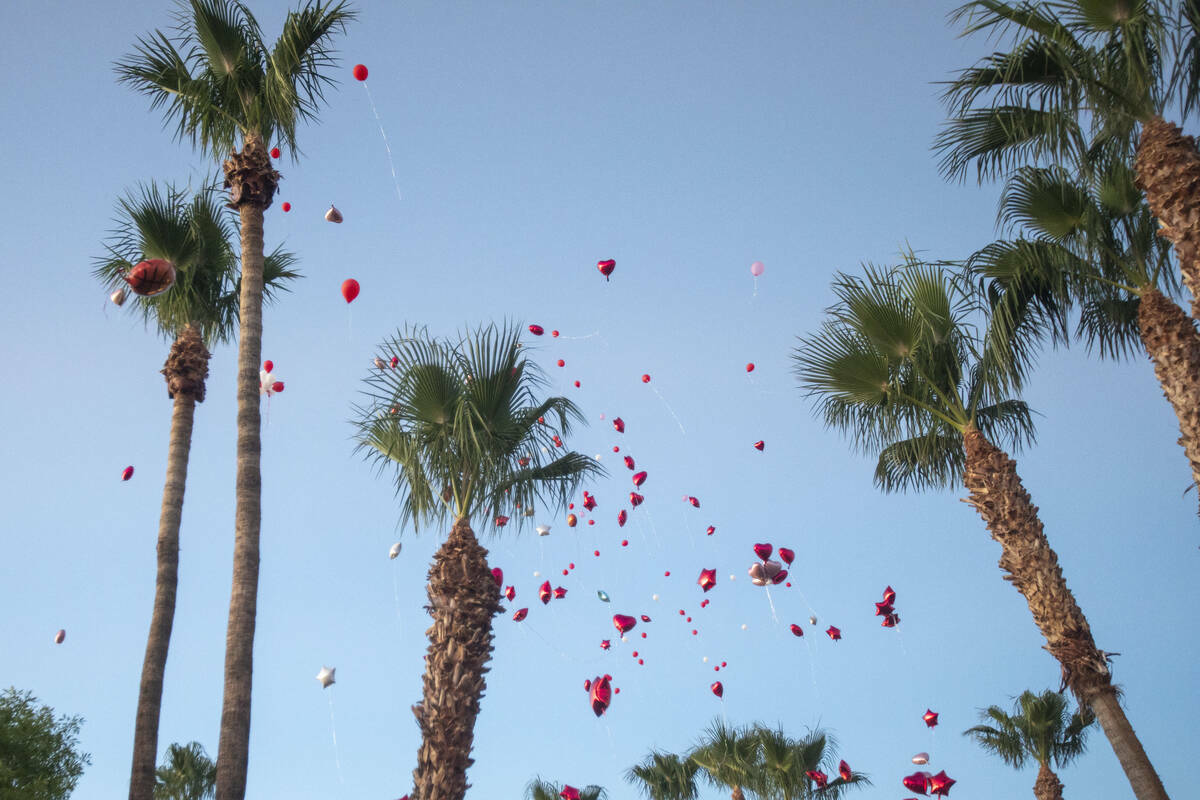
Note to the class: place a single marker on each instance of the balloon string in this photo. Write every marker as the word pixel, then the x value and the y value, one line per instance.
pixel 668 405
pixel 386 146
pixel 579 338
pixel 772 603
pixel 396 597
pixel 333 727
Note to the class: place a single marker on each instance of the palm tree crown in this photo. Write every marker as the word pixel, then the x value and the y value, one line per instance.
pixel 188 774
pixel 539 789
pixel 665 776
pixel 1041 727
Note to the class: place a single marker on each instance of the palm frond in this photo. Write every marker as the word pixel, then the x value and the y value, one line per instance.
pixel 1000 138
pixel 934 459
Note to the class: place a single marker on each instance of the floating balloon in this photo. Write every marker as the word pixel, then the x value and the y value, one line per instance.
pixel 890 621
pixel 544 593
pixel 520 614
pixel 61 636
pixel 360 72
pixel 635 499
pixel 707 579
pixel 118 297
pixel 639 478
pixel 606 267
pixel 695 503
pixel 601 694
pixel 543 530
pixel 325 676
pixel 498 576
pixel 349 289
pixel 759 445
pixel 152 277
pixel 757 268
pixel 619 425
pixel 555 335
pixel 275 152
pixel 763 551
pixel 786 556
pixel 645 618
pixel 603 595
pixel 572 520
pixel 536 330
pixel 844 770
pixel 883 609
pixel 710 530
pixel 621 517
pixel 718 689
pixel 510 592
pixel 917 782
pixel 589 502
pixel 921 759
pixel 501 521
pixel 766 572
pixel 645 378
pixel 817 777
pixel 750 367
pixel 797 630
pixel 930 717
pixel 395 551
pixel 569 792
pixel 624 623
pixel 559 593
pixel 605 644
pixel 287 207
pixel 562 363
pixel 834 633
pixel 889 596
pixel 333 215
pixel 395 360
pixel 268 366
pixel 940 784
pixel 127 473
pixel 379 362
pixel 812 620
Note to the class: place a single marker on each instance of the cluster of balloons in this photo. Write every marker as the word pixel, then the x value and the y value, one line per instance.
pixel 268 384
pixel 766 571
pixel 926 783
pixel 886 610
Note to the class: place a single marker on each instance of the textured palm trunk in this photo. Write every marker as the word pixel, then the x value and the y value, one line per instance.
pixel 186 370
pixel 463 598
pixel 737 793
pixel 1171 340
pixel 1168 171
pixel 1047 786
pixel 1032 567
pixel 252 185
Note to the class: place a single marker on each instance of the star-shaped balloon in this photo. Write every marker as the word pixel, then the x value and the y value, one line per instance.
pixel 708 579
pixel 844 770
pixel 940 784
pixel 834 633
pixel 818 777
pixel 569 792
pixel 325 676
pixel 930 717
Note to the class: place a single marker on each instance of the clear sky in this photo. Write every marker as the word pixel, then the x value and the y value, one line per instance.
pixel 685 140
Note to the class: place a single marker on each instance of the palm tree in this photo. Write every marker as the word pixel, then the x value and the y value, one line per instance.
pixel 783 766
pixel 1094 244
pixel 189 774
pixel 727 755
pixel 1041 728
pixel 665 776
pixel 217 80
pixel 899 368
pixel 461 424
pixel 195 235
pixel 539 789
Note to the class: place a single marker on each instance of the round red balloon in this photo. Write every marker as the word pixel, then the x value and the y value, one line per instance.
pixel 287 207
pixel 350 289
pixel 274 152
pixel 360 72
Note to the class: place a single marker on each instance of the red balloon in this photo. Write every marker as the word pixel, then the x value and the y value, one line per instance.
pixel 940 784
pixel 710 530
pixel 606 267
pixel 589 502
pixel 559 593
pixel 645 619
pixel 883 609
pixel 151 277
pixel 501 521
pixel 268 366
pixel 562 363
pixel 601 694
pixel 287 207
pixel 707 580
pixel 844 770
pixel 554 334
pixel 695 503
pixel 645 379
pixel 759 445
pixel 498 576
pixel 917 782
pixel 127 473
pixel 510 592
pixel 621 517
pixel 623 623
pixel 605 644
pixel 587 685
pixel 797 630
pixel 750 367
pixel 718 689
pixel 349 289
pixel 619 425
pixel 569 792
pixel 635 499
pixel 780 576
pixel 786 556
pixel 274 152
pixel 834 633
pixel 890 621
pixel 624 543
pixel 930 717
pixel 360 72
pixel 521 614
pixel 536 330
pixel 629 462
pixel 818 777
pixel 277 387
pixel 889 596
pixel 544 593
pixel 639 478
pixel 572 520
pixel 763 551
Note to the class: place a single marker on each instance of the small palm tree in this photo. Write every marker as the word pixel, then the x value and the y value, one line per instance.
pixel 665 776
pixel 900 368
pixel 196 235
pixel 728 757
pixel 218 81
pixel 1041 728
pixel 188 774
pixel 539 789
pixel 461 423
pixel 783 766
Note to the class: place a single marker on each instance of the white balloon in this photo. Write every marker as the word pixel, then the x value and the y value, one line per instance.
pixel 395 551
pixel 654 597
pixel 325 676
pixel 543 530
pixel 744 626
pixel 920 759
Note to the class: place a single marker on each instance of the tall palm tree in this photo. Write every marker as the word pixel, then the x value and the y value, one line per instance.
pixel 215 77
pixel 188 774
pixel 1042 728
pixel 783 766
pixel 196 235
pixel 900 368
pixel 665 776
pixel 461 423
pixel 538 789
pixel 1094 244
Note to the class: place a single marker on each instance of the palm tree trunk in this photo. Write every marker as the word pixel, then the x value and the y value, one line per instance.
pixel 1047 786
pixel 463 598
pixel 186 369
pixel 1032 567
pixel 233 750
pixel 1171 340
pixel 737 793
pixel 1168 170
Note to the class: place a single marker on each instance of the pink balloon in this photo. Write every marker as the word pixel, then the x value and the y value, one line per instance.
pixel 60 637
pixel 757 268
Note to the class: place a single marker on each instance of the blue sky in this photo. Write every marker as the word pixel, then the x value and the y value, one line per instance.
pixel 683 140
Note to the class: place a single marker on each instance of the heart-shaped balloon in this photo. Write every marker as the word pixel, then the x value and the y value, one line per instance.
pixel 771 570
pixel 797 630
pixel 601 695
pixel 510 592
pixel 844 770
pixel 758 575
pixel 921 759
pixel 606 267
pixel 759 445
pixel 621 517
pixel 635 499
pixel 786 555
pixel 817 777
pixel 916 782
pixel 780 576
pixel 623 623
pixel 639 478
pixel 718 689
pixel 619 425
pixel 763 551
pixel 544 592
pixel 629 462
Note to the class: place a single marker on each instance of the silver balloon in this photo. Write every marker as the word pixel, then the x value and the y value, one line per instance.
pixel 118 297
pixel 395 551
pixel 333 215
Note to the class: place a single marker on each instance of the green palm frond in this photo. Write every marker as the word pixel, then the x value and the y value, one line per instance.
pixel 1041 728
pixel 998 139
pixel 665 776
pixel 934 459
pixel 188 774
pixel 460 422
pixel 540 789
pixel 196 233
pixel 1045 201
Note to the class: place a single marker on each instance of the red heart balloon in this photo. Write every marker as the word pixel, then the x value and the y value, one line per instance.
pixel 606 267
pixel 797 630
pixel 645 619
pixel 718 689
pixel 635 499
pixel 621 517
pixel 623 623
pixel 544 592
pixel 498 576
pixel 759 445
pixel 780 576
pixel 521 614
pixel 763 551
pixel 510 592
pixel 639 478
pixel 818 777
pixel 601 695
pixel 916 782
pixel 629 462
pixel 786 555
